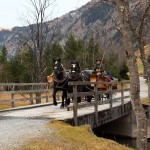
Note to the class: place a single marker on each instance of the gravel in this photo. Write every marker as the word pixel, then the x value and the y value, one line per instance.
pixel 14 132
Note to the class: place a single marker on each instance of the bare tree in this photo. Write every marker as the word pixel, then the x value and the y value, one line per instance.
pixel 125 23
pixel 138 30
pixel 140 14
pixel 37 34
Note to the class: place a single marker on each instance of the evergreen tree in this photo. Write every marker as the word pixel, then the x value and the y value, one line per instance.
pixel 123 71
pixel 28 66
pixel 111 64
pixel 3 54
pixel 72 49
pixel 3 65
pixel 52 52
pixel 82 53
pixel 93 52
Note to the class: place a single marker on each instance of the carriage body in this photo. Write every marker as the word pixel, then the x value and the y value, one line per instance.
pixel 101 77
pixel 98 78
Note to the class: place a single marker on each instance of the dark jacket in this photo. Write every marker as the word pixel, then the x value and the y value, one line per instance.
pixel 99 66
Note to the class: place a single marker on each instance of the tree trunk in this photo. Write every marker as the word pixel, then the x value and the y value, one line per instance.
pixel 146 65
pixel 148 82
pixel 125 22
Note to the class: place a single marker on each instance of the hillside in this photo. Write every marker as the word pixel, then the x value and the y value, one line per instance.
pixel 95 19
pixel 91 20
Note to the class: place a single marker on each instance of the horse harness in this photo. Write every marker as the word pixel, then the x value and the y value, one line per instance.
pixel 60 83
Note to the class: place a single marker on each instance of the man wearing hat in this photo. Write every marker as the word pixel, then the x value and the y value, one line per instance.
pixel 98 66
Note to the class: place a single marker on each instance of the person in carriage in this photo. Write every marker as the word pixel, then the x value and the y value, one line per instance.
pixel 98 66
pixel 99 69
pixel 100 74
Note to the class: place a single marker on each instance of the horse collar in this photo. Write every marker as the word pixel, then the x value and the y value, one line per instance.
pixel 76 78
pixel 62 80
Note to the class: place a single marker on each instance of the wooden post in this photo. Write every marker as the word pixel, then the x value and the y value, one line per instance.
pixel 96 103
pixel 38 94
pixel 47 93
pixel 148 82
pixel 110 97
pixel 122 97
pixel 12 97
pixel 31 95
pixel 75 105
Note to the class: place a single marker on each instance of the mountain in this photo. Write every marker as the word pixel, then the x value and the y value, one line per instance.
pixel 97 20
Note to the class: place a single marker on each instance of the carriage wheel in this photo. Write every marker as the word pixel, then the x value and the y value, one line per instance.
pixel 107 96
pixel 88 98
pixel 101 96
pixel 78 99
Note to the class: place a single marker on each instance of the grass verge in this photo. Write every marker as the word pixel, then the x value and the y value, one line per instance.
pixel 67 137
pixel 145 101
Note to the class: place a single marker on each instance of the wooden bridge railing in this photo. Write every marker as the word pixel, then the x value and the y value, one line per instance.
pixel 33 89
pixel 96 92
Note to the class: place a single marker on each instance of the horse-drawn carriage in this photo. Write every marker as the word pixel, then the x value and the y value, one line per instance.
pixel 101 76
pixel 61 77
pixel 103 79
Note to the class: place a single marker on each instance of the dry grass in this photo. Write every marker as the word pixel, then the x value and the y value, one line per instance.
pixel 6 105
pixel 147 51
pixel 145 101
pixel 140 65
pixel 67 137
pixel 125 86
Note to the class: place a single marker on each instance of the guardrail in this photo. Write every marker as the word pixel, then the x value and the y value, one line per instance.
pixel 96 92
pixel 33 89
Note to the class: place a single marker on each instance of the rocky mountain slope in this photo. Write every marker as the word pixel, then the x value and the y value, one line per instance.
pixel 94 19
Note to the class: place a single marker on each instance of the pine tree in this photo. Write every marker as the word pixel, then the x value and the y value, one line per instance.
pixel 3 65
pixel 93 52
pixel 72 49
pixel 53 51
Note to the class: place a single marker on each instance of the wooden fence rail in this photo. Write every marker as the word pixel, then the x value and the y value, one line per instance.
pixel 96 92
pixel 33 89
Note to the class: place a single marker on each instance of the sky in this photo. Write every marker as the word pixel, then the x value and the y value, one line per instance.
pixel 11 11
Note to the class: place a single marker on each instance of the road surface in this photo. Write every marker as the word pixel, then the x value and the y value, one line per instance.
pixel 17 127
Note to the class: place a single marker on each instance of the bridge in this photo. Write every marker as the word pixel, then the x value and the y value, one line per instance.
pixel 98 112
pixel 101 110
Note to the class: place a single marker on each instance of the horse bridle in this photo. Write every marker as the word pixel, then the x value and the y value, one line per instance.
pixel 78 72
pixel 60 69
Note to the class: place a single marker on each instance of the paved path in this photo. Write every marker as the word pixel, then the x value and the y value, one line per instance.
pixel 143 88
pixel 21 125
